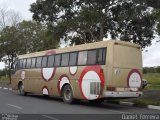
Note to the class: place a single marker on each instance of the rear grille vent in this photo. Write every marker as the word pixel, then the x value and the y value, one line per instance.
pixel 95 88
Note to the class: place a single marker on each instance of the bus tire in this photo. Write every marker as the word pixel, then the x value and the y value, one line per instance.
pixel 67 94
pixel 21 90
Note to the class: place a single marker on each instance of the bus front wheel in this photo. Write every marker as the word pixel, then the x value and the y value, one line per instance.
pixel 21 90
pixel 67 94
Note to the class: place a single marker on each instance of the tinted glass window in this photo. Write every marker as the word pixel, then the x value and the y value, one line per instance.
pixel 57 60
pixel 21 63
pixel 73 59
pixel 50 61
pixel 38 62
pixel 28 63
pixel 65 59
pixel 91 57
pixel 33 62
pixel 44 61
pixel 101 56
pixel 24 63
pixel 82 58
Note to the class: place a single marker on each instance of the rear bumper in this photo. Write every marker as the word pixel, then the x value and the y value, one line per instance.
pixel 121 94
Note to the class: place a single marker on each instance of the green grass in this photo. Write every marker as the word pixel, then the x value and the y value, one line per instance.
pixel 4 80
pixel 145 102
pixel 153 81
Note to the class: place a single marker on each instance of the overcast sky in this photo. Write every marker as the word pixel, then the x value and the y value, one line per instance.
pixel 150 58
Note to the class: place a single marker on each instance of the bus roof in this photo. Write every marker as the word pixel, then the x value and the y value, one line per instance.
pixel 94 45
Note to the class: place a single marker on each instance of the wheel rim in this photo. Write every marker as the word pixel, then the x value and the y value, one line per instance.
pixel 67 94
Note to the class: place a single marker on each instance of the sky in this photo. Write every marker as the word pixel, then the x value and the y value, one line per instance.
pixel 150 58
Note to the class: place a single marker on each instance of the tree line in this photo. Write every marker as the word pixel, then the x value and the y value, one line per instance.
pixel 151 70
pixel 77 22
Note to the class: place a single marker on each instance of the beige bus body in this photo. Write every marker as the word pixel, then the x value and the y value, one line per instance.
pixel 119 77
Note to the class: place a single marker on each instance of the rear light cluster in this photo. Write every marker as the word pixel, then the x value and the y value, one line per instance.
pixel 110 88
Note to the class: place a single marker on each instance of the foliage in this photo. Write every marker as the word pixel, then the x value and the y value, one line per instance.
pixel 3 72
pixel 34 37
pixel 84 21
pixel 25 37
pixel 151 69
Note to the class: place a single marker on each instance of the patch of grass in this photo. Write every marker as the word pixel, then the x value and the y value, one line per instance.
pixel 144 102
pixel 153 81
pixel 152 78
pixel 4 78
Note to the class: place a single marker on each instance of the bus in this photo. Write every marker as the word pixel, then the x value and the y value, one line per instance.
pixel 94 72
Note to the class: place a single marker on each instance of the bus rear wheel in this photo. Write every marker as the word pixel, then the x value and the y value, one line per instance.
pixel 21 90
pixel 67 94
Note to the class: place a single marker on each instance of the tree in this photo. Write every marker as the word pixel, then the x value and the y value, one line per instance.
pixel 83 21
pixel 25 37
pixel 9 46
pixel 8 18
pixel 34 37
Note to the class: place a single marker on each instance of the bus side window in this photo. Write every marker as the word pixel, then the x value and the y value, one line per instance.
pixel 91 60
pixel 65 59
pixel 33 62
pixel 38 62
pixel 73 59
pixel 82 58
pixel 101 55
pixel 20 64
pixel 50 62
pixel 57 60
pixel 24 63
pixel 28 65
pixel 44 61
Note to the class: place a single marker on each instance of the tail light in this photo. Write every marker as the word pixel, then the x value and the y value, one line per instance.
pixel 111 88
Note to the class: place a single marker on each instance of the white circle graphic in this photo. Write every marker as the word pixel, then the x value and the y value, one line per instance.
pixel 47 73
pixel 73 70
pixel 88 78
pixel 63 81
pixel 134 81
pixel 45 91
pixel 23 75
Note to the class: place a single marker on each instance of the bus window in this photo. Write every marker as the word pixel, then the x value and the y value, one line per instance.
pixel 65 59
pixel 57 60
pixel 91 60
pixel 50 62
pixel 101 56
pixel 38 62
pixel 82 58
pixel 44 61
pixel 28 65
pixel 33 62
pixel 24 63
pixel 73 59
pixel 20 64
